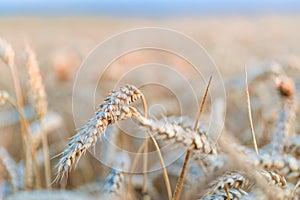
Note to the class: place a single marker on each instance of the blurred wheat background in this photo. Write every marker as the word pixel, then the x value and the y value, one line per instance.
pixel 264 37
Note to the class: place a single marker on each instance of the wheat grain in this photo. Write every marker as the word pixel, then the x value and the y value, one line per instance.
pixel 114 108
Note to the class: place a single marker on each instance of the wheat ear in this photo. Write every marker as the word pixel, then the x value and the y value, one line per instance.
pixel 114 108
pixel 223 195
pixel 274 178
pixel 41 106
pixel 285 165
pixel 230 180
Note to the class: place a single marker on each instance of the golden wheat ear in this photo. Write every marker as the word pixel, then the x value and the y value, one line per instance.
pixel 114 108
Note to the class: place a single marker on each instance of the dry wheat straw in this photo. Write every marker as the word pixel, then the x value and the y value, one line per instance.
pixel 114 108
pixel 41 106
pixel 181 178
pixel 250 114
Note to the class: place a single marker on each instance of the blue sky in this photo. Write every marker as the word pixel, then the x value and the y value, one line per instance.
pixel 146 7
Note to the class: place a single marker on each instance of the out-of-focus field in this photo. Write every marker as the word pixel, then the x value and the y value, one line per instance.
pixel 61 44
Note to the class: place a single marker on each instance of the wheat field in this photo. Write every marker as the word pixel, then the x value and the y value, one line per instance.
pixel 141 142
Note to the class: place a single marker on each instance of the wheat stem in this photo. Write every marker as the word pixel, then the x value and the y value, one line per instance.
pixel 249 113
pixel 146 146
pixel 164 170
pixel 296 187
pixel 188 153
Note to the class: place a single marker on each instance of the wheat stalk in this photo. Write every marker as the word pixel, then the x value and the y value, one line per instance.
pixel 249 113
pixel 114 108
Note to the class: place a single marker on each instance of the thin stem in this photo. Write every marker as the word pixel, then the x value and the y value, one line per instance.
pixel 227 193
pixel 46 156
pixel 188 153
pixel 146 146
pixel 164 170
pixel 202 104
pixel 249 113
pixel 295 188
